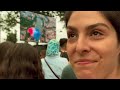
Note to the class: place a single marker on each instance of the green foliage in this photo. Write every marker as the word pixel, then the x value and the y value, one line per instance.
pixel 10 20
pixel 11 37
pixel 52 13
pixel 27 22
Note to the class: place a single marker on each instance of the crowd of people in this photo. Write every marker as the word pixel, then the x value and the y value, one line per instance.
pixel 19 61
pixel 91 51
pixel 23 61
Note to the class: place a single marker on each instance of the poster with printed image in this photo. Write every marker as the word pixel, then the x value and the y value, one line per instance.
pixel 45 24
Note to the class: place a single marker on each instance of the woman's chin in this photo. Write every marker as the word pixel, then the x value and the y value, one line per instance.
pixel 86 74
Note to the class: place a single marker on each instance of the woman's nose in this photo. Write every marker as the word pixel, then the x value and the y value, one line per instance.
pixel 82 45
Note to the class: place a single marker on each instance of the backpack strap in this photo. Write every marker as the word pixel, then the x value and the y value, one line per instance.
pixel 51 69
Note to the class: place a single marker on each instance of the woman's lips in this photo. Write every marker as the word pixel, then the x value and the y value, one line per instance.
pixel 85 61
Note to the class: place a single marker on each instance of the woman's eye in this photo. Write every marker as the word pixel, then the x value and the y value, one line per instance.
pixel 96 34
pixel 71 35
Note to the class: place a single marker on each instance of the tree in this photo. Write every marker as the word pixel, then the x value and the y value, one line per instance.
pixel 11 19
pixel 11 37
pixel 52 13
pixel 8 22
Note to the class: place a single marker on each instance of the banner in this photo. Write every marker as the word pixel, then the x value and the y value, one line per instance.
pixel 46 26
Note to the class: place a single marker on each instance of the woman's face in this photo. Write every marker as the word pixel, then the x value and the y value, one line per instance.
pixel 92 45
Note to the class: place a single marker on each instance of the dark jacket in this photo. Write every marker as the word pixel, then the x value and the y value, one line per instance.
pixel 68 73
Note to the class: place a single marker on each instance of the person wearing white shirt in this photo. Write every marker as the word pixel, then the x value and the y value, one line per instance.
pixel 53 61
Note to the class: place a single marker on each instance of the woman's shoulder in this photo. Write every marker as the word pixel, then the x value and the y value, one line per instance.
pixel 68 73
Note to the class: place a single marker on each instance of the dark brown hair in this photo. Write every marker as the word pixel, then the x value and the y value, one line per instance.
pixel 42 53
pixel 3 49
pixel 112 16
pixel 63 41
pixel 22 61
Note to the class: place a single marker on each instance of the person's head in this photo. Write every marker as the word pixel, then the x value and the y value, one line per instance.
pixel 42 54
pixel 53 48
pixel 93 44
pixel 3 49
pixel 63 42
pixel 22 61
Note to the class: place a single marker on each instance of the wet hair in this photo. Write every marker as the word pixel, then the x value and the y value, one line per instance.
pixel 3 49
pixel 22 61
pixel 112 16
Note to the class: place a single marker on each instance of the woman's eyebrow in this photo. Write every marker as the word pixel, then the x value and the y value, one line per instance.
pixel 89 26
pixel 96 25
pixel 72 28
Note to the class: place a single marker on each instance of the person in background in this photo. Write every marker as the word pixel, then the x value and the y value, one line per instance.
pixel 63 42
pixel 53 64
pixel 3 49
pixel 93 44
pixel 67 72
pixel 42 54
pixel 21 62
pixel 41 50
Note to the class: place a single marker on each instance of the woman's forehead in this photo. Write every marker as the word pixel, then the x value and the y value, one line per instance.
pixel 87 18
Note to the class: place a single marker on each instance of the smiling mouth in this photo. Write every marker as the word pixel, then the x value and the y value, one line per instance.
pixel 85 62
